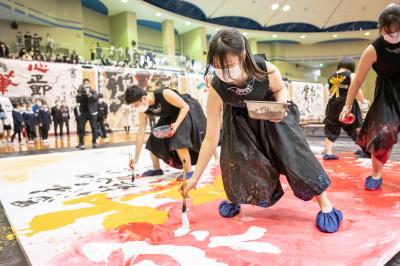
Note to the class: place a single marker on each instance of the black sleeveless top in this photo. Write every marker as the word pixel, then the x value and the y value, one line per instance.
pixel 387 64
pixel 339 83
pixel 161 107
pixel 252 89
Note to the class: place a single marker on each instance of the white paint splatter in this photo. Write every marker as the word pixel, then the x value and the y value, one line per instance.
pixel 145 263
pixel 185 228
pixel 184 255
pixel 238 242
pixel 200 235
pixel 391 195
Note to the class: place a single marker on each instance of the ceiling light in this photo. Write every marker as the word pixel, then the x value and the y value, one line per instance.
pixel 245 33
pixel 367 33
pixel 158 14
pixel 188 23
pixel 302 36
pixel 321 65
pixel 286 8
pixel 274 6
pixel 274 36
pixel 124 1
pixel 217 29
pixel 334 35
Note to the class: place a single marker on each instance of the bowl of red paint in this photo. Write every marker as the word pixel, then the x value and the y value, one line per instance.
pixel 162 132
pixel 349 119
pixel 265 110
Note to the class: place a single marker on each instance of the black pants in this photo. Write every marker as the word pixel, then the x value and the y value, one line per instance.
pixel 45 133
pixel 30 131
pixel 102 128
pixel 82 120
pixel 66 122
pixel 17 132
pixel 56 125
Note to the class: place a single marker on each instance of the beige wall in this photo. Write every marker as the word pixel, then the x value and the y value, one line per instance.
pixel 96 22
pixel 297 72
pixel 328 50
pixel 152 39
pixel 194 43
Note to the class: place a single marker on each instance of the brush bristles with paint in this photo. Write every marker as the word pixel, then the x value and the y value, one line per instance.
pixel 185 228
pixel 184 186
pixel 132 170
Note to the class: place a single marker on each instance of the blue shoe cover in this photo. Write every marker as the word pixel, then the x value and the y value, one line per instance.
pixel 228 210
pixel 373 184
pixel 329 222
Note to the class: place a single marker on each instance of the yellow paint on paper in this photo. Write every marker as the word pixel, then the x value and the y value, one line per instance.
pixel 207 193
pixel 19 170
pixel 119 214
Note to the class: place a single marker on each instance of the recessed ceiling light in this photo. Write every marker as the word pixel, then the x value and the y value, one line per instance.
pixel 274 6
pixel 302 36
pixel 321 65
pixel 367 33
pixel 274 36
pixel 245 33
pixel 286 8
pixel 334 35
pixel 188 23
pixel 124 1
pixel 158 14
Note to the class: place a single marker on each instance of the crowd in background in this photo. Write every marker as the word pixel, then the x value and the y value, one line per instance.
pixel 36 48
pixel 32 121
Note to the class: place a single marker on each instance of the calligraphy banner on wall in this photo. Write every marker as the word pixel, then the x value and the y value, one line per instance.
pixel 310 98
pixel 113 82
pixel 26 80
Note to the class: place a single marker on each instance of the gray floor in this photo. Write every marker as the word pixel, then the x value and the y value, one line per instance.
pixel 12 255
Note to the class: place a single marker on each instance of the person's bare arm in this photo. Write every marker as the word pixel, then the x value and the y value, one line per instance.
pixel 214 110
pixel 139 138
pixel 367 59
pixel 174 99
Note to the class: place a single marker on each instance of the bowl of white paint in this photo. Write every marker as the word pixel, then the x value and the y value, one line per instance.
pixel 162 132
pixel 265 110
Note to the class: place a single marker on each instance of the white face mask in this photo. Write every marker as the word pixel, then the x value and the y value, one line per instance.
pixel 392 37
pixel 142 108
pixel 234 73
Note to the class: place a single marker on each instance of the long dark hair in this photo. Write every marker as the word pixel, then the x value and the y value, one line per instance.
pixel 231 41
pixel 388 17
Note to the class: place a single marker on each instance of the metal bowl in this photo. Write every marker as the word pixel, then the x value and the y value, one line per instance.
pixel 264 110
pixel 162 132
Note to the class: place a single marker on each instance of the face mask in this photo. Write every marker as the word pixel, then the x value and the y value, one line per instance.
pixel 142 108
pixel 392 37
pixel 234 73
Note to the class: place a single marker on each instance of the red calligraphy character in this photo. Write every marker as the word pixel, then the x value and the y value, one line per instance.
pixel 5 81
